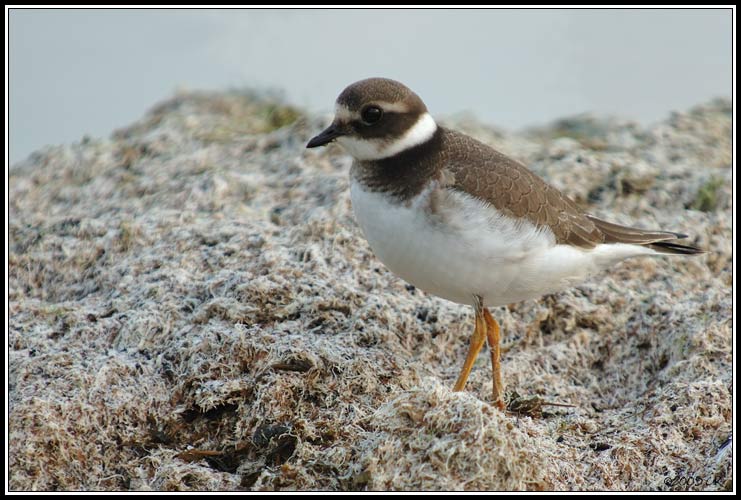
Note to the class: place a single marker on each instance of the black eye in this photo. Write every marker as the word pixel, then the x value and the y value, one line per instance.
pixel 371 114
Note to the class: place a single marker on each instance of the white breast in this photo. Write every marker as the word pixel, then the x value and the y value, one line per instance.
pixel 470 248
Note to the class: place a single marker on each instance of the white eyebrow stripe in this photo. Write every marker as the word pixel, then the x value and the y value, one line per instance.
pixel 344 114
pixel 394 107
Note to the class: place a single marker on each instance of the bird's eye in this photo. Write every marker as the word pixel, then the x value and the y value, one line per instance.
pixel 371 114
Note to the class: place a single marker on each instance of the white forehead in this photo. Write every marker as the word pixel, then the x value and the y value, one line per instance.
pixel 342 113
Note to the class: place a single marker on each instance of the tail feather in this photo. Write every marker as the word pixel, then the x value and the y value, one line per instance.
pixel 672 248
pixel 661 241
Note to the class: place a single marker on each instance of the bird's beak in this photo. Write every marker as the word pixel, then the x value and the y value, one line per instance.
pixel 328 135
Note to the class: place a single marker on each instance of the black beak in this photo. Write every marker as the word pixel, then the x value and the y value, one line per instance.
pixel 328 135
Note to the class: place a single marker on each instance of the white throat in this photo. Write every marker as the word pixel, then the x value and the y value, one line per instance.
pixel 362 149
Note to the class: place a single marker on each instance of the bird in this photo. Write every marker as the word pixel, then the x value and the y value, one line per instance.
pixel 460 220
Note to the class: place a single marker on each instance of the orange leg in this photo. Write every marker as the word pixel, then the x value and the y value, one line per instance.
pixel 477 342
pixel 492 334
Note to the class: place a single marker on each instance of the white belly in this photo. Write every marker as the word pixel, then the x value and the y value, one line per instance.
pixel 472 249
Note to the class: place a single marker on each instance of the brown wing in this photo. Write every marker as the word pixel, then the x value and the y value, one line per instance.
pixel 490 175
pixel 514 190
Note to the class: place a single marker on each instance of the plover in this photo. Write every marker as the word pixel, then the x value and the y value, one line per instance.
pixel 460 220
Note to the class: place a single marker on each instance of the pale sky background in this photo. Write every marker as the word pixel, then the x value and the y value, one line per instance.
pixel 78 72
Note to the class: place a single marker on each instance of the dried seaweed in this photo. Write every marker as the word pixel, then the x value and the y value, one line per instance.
pixel 192 307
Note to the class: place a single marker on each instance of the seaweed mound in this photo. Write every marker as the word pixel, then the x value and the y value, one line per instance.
pixel 192 307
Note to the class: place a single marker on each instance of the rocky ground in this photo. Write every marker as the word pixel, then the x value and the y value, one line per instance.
pixel 192 307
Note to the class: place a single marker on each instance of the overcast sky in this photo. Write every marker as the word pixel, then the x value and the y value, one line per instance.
pixel 86 71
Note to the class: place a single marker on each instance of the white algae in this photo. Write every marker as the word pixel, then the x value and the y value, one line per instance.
pixel 192 307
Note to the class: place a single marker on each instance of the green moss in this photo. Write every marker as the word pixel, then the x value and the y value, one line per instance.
pixel 277 116
pixel 239 115
pixel 706 199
